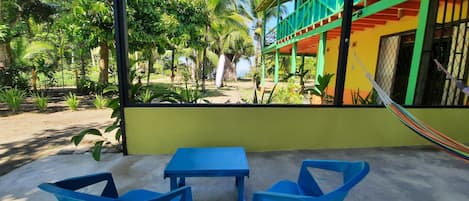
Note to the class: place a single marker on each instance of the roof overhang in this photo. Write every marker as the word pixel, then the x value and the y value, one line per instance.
pixel 266 4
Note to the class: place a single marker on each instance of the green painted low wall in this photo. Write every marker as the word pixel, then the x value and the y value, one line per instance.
pixel 163 130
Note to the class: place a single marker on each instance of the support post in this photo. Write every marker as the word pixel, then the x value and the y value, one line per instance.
pixel 277 65
pixel 422 52
pixel 343 53
pixel 122 50
pixel 293 59
pixel 321 55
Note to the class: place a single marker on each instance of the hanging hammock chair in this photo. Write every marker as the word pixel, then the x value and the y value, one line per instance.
pixel 451 146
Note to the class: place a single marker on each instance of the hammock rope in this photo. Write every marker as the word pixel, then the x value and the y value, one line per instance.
pixel 446 143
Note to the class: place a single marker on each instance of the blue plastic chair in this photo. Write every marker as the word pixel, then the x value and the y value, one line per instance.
pixel 307 189
pixel 65 190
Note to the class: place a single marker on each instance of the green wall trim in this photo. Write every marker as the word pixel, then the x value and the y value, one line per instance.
pixel 417 54
pixel 163 130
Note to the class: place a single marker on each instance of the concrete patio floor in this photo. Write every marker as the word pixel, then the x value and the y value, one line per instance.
pixel 396 174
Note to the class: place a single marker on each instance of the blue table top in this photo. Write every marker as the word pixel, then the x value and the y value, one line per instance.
pixel 216 161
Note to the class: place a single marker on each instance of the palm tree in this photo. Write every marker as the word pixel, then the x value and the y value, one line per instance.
pixel 226 18
pixel 41 57
pixel 258 22
pixel 242 47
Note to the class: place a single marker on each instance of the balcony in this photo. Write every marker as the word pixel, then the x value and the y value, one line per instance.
pixel 311 13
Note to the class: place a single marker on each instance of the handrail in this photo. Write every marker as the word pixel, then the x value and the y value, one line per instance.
pixel 309 13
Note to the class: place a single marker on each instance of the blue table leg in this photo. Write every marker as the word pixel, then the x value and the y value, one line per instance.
pixel 173 182
pixel 182 181
pixel 240 185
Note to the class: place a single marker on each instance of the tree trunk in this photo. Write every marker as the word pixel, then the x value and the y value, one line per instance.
pixel 82 65
pixel 258 53
pixel 150 66
pixel 235 66
pixel 5 55
pixel 93 61
pixel 103 63
pixel 204 58
pixel 173 68
pixel 34 78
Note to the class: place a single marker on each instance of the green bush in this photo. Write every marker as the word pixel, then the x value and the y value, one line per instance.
pixel 289 94
pixel 86 86
pixel 12 77
pixel 100 102
pixel 13 97
pixel 147 96
pixel 72 101
pixel 41 102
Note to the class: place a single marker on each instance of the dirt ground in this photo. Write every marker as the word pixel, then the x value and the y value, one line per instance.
pixel 31 135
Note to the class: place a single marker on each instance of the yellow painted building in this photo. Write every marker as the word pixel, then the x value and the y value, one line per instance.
pixel 393 40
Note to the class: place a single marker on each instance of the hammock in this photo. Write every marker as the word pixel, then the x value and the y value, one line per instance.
pixel 459 83
pixel 451 146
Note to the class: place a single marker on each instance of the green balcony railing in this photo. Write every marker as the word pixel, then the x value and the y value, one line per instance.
pixel 309 13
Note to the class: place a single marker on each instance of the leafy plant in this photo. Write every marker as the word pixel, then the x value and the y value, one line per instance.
pixel 370 99
pixel 289 94
pixel 72 101
pixel 13 97
pixel 147 96
pixel 138 93
pixel 114 104
pixel 41 101
pixel 321 86
pixel 260 100
pixel 100 102
pixel 87 86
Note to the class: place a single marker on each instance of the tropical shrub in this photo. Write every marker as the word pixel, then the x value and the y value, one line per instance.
pixel 13 97
pixel 86 86
pixel 147 96
pixel 289 94
pixel 370 99
pixel 12 77
pixel 41 101
pixel 72 101
pixel 320 87
pixel 260 100
pixel 100 102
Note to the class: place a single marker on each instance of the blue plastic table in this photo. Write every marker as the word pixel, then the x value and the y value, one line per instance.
pixel 208 162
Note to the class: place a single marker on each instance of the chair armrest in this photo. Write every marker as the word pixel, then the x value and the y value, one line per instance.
pixel 76 183
pixel 185 193
pixel 353 172
pixel 271 196
pixel 332 165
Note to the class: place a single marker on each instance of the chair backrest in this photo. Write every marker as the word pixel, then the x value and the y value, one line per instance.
pixel 353 173
pixel 63 194
pixel 66 189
